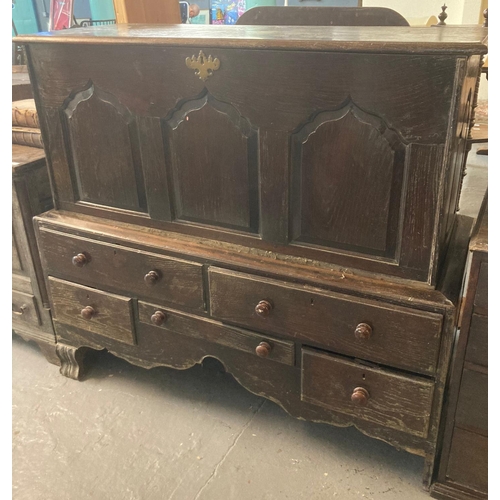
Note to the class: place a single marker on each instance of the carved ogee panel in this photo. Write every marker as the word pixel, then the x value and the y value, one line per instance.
pixel 348 173
pixel 212 156
pixel 103 150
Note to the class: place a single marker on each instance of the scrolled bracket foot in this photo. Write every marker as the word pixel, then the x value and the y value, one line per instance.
pixel 71 360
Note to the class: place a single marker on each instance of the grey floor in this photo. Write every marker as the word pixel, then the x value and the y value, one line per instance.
pixel 126 433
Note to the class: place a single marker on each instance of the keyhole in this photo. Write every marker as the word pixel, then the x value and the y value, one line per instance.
pixel 364 378
pixel 312 302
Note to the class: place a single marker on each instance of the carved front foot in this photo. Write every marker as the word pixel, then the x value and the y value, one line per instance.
pixel 71 360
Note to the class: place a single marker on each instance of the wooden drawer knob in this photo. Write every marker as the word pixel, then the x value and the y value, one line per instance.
pixel 151 278
pixel 158 318
pixel 88 312
pixel 360 396
pixel 263 308
pixel 263 350
pixel 363 331
pixel 21 311
pixel 79 260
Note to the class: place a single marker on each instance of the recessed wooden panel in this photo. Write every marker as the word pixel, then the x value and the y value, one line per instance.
pixel 472 406
pixel 468 463
pixel 102 142
pixel 213 160
pixel 348 171
pixel 477 345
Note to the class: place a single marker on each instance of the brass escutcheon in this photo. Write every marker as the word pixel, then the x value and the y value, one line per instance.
pixel 204 66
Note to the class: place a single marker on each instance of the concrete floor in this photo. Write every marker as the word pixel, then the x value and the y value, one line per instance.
pixel 126 433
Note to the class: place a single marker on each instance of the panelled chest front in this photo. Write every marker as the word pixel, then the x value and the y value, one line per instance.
pixel 343 145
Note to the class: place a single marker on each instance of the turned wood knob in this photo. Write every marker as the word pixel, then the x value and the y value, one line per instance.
pixel 87 312
pixel 79 260
pixel 21 311
pixel 263 308
pixel 363 331
pixel 158 318
pixel 151 278
pixel 263 350
pixel 360 396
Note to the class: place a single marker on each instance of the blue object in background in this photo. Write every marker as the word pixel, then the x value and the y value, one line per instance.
pixel 101 9
pixel 24 17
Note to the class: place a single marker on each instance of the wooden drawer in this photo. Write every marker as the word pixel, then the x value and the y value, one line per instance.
pixel 186 324
pixel 93 310
pixel 385 398
pixel 24 308
pixel 477 345
pixel 468 462
pixel 472 407
pixel 106 265
pixel 400 337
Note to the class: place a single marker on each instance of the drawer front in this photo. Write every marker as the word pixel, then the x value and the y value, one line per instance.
pixel 477 344
pixel 24 309
pixel 394 335
pixel 213 331
pixel 472 471
pixel 143 274
pixel 93 310
pixel 375 395
pixel 472 407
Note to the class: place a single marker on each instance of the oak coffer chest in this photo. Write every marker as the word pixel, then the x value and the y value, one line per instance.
pixel 280 198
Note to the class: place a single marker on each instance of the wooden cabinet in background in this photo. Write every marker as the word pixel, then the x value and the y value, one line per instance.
pixel 31 196
pixel 463 469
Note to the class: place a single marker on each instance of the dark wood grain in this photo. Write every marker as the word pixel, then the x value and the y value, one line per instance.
pixel 287 214
pixel 279 382
pixel 271 264
pixel 468 39
pixel 481 298
pixel 31 195
pixel 472 471
pixel 154 167
pixel 348 172
pixel 24 309
pixel 477 347
pixel 239 204
pixel 472 406
pixel 394 401
pixel 179 281
pixel 102 143
pixel 401 337
pixel 112 314
pixel 213 157
pixel 422 190
pixel 462 471
pixel 213 331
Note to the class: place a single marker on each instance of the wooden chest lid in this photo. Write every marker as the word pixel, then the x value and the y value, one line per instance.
pixel 395 39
